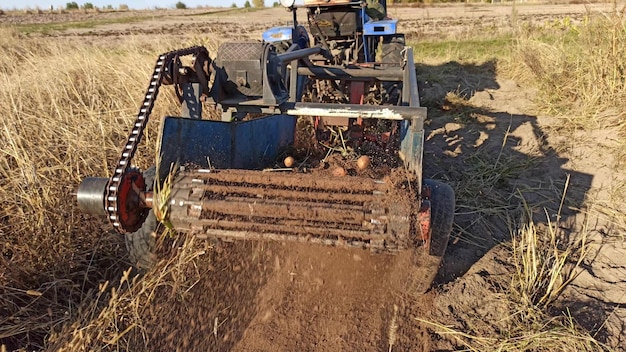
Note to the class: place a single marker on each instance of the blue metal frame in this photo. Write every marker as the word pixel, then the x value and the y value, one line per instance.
pixel 376 28
pixel 252 144
pixel 380 27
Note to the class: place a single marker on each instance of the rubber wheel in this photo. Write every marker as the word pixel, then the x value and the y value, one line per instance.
pixel 392 54
pixel 441 214
pixel 392 50
pixel 424 262
pixel 141 243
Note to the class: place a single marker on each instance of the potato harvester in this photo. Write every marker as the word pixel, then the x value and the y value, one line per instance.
pixel 352 77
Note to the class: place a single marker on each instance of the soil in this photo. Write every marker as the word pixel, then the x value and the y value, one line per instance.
pixel 257 296
pixel 286 297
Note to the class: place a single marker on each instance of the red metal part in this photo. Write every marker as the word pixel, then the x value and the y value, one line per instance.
pixel 357 91
pixel 424 216
pixel 131 205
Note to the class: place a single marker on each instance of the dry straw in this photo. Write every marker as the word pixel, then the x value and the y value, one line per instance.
pixel 545 263
pixel 66 107
pixel 581 72
pixel 109 319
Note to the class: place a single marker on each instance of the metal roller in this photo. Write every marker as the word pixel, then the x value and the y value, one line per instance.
pixel 90 195
pixel 236 204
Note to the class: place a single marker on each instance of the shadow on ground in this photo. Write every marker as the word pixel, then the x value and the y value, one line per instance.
pixel 481 139
pixel 478 140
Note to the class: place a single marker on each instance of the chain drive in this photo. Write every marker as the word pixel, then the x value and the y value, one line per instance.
pixel 112 199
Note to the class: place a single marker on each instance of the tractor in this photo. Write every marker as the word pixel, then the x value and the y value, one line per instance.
pixel 221 171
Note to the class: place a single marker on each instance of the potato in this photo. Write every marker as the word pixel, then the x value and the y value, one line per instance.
pixel 363 162
pixel 339 171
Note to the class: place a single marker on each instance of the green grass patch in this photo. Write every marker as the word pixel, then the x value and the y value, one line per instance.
pixel 468 50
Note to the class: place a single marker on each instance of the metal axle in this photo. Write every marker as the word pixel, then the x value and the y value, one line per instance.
pixel 90 195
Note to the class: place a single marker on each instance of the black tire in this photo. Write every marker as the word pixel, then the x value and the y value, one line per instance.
pixel 424 264
pixel 392 49
pixel 441 214
pixel 141 243
pixel 392 54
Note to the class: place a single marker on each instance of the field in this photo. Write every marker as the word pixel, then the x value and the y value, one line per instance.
pixel 526 121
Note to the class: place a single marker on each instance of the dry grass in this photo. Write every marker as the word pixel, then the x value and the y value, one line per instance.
pixel 66 108
pixel 105 321
pixel 539 278
pixel 486 199
pixel 536 333
pixel 581 71
pixel 544 262
pixel 542 259
pixel 162 194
